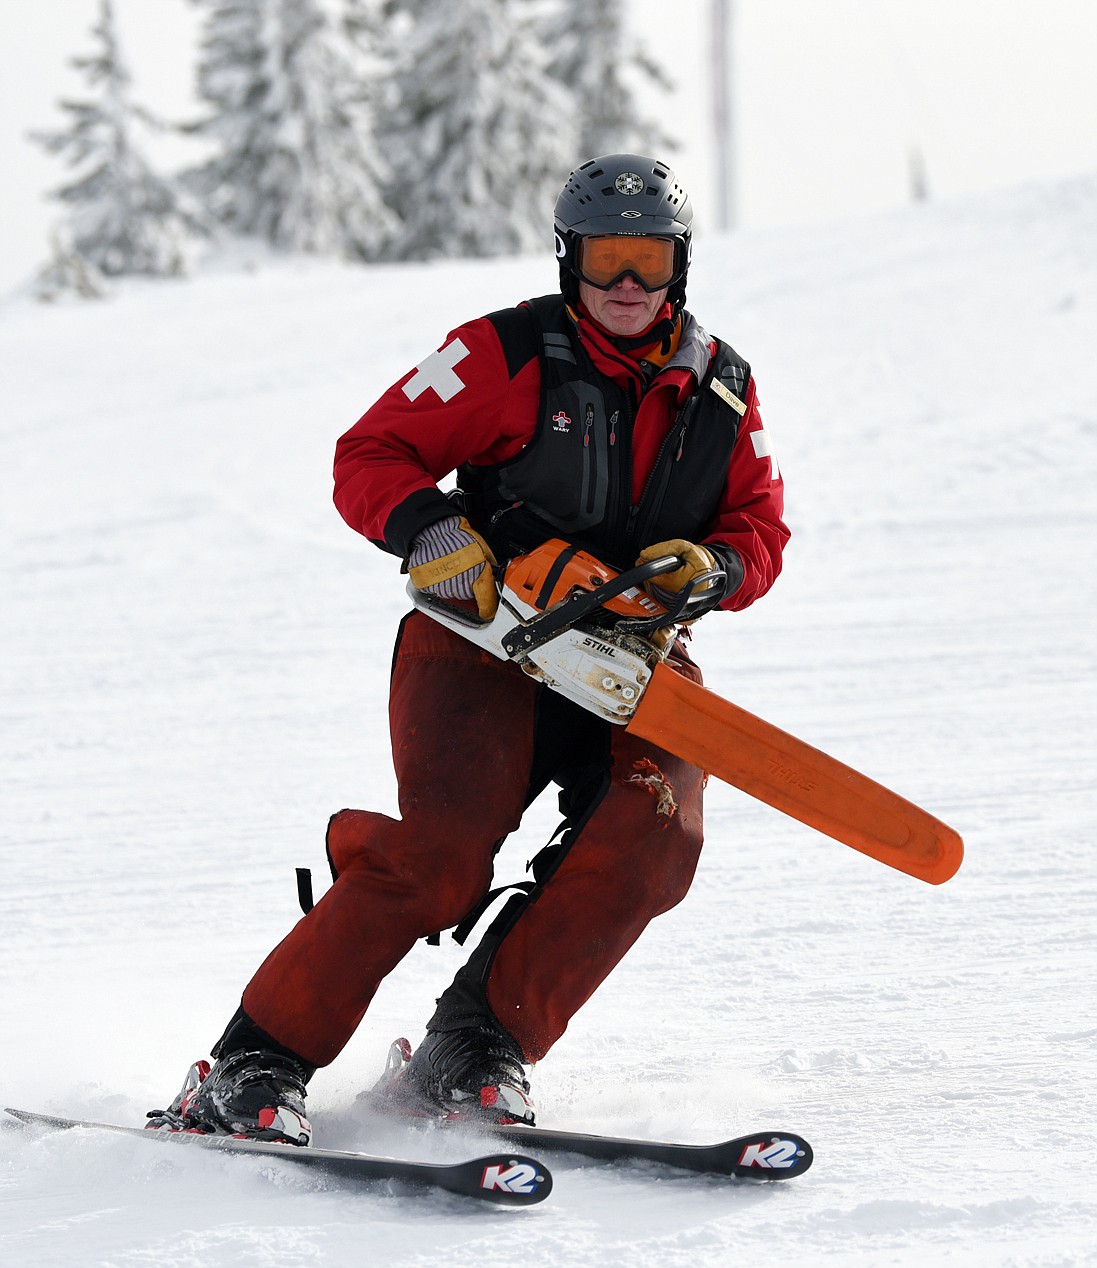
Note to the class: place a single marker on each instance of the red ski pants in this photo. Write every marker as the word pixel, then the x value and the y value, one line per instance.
pixel 468 758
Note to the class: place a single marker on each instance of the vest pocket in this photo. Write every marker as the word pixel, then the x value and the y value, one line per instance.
pixel 563 478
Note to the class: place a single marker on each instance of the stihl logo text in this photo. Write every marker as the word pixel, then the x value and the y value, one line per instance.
pixel 604 648
pixel 769 1155
pixel 519 1177
pixel 790 776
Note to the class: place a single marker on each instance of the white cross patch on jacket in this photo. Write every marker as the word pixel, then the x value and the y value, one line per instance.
pixel 763 448
pixel 437 372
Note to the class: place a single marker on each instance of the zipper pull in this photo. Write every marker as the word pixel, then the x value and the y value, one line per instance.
pixel 613 427
pixel 682 441
pixel 503 510
pixel 588 423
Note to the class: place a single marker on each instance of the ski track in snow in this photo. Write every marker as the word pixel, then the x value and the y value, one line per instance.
pixel 194 654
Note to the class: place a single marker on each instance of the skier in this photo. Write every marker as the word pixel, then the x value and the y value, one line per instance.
pixel 604 415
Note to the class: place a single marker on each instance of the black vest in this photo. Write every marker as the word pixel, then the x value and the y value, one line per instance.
pixel 574 478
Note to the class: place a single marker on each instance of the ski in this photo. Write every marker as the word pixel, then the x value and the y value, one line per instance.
pixel 772 1155
pixel 507 1179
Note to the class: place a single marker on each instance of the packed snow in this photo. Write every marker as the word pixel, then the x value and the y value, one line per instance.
pixel 194 657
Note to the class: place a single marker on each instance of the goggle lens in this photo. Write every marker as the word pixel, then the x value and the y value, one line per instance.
pixel 604 261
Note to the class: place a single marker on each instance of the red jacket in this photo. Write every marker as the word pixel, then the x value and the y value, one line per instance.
pixel 463 404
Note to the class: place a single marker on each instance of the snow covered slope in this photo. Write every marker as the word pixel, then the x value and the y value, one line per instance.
pixel 193 657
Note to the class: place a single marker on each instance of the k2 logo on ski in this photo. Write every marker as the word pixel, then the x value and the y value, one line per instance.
pixel 519 1177
pixel 769 1154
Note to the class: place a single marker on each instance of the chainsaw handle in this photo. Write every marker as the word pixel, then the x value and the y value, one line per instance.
pixel 450 611
pixel 463 616
pixel 691 602
pixel 563 615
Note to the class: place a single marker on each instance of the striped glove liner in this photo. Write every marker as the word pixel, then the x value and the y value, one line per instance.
pixel 451 560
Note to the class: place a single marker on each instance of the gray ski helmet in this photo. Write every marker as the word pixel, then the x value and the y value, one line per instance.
pixel 623 194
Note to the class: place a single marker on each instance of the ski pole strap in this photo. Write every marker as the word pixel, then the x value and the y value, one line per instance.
pixel 304 889
pixel 465 926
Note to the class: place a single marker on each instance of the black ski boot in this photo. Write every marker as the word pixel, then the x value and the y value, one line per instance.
pixel 260 1095
pixel 474 1073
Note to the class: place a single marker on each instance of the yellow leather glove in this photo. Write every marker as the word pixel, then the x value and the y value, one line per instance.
pixel 451 560
pixel 696 560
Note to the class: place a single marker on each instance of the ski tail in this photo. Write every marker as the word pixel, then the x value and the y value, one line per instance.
pixel 801 781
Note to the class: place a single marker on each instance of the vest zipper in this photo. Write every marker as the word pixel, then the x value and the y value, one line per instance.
pixel 658 478
pixel 620 518
pixel 682 440
pixel 590 463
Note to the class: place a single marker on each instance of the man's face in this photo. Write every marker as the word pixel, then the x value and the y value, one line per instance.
pixel 626 308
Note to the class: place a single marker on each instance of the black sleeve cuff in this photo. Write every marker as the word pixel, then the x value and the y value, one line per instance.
pixel 407 521
pixel 730 560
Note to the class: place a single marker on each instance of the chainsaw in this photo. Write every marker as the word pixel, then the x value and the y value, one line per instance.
pixel 597 637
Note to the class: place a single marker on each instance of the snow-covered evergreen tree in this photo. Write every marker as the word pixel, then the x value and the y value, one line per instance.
pixel 373 41
pixel 477 141
pixel 123 217
pixel 591 54
pixel 68 271
pixel 366 24
pixel 296 161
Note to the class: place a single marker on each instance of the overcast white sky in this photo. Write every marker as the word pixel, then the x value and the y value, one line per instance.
pixel 830 97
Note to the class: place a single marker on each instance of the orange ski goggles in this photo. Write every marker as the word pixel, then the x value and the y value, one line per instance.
pixel 603 261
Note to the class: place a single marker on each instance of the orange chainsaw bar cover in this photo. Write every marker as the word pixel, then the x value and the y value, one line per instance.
pixel 764 761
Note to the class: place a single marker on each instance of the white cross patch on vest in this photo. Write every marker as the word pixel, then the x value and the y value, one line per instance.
pixel 437 372
pixel 763 448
